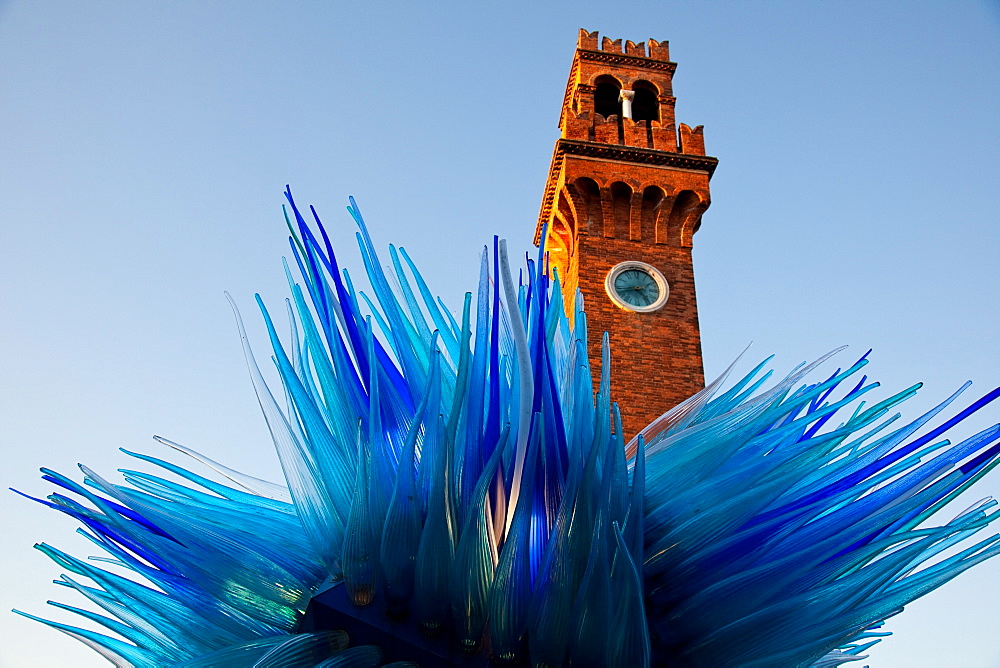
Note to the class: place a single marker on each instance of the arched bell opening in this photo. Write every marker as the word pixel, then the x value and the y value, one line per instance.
pixel 607 93
pixel 646 102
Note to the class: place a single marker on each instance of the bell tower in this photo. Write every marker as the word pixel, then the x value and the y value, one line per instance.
pixel 625 194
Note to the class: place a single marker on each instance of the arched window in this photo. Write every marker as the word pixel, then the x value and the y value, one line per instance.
pixel 606 92
pixel 645 104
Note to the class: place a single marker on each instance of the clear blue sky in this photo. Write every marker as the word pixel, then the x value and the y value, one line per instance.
pixel 144 147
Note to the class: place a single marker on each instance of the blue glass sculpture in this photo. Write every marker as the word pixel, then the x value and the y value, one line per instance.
pixel 464 479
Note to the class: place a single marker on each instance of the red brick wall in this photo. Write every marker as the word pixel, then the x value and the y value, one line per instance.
pixel 655 357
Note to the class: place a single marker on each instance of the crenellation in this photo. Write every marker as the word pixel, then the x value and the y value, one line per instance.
pixel 610 46
pixel 636 133
pixel 659 50
pixel 578 126
pixel 691 140
pixel 664 136
pixel 587 40
pixel 606 130
pixel 651 48
pixel 633 49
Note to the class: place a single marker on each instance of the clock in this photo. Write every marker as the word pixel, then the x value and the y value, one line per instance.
pixel 637 286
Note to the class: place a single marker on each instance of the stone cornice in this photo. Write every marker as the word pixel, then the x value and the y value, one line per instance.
pixel 626 60
pixel 617 153
pixel 642 156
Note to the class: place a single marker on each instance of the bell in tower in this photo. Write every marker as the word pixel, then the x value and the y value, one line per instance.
pixel 625 194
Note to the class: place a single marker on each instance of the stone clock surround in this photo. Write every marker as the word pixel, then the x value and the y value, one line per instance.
pixel 653 274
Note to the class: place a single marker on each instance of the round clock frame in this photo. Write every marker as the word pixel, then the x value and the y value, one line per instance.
pixel 614 291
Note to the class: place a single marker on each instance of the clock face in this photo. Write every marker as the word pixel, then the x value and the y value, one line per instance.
pixel 637 286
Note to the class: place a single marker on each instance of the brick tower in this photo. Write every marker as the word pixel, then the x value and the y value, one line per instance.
pixel 624 197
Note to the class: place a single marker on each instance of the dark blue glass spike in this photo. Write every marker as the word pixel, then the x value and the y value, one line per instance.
pixel 536 333
pixel 558 449
pixel 57 479
pixel 974 465
pixel 878 502
pixel 98 527
pixel 794 400
pixel 354 380
pixel 474 460
pixel 346 347
pixel 967 471
pixel 112 536
pixel 318 292
pixel 304 230
pixel 322 300
pixel 44 502
pixel 122 510
pixel 351 314
pixel 322 231
pixel 541 246
pixel 541 517
pixel 491 433
pixel 397 382
pixel 541 331
pixel 130 514
pixel 529 299
pixel 125 511
pixel 818 400
pixel 310 285
pixel 812 431
pixel 309 242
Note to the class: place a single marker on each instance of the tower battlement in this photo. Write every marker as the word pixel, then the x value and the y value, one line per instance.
pixel 622 93
pixel 652 49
